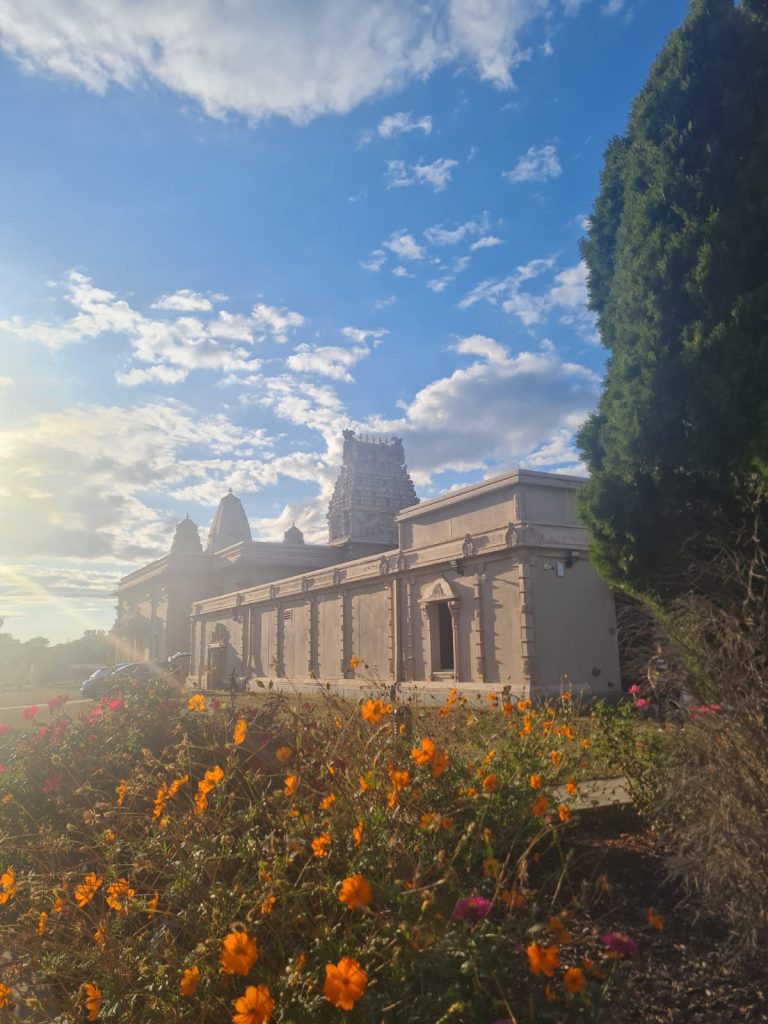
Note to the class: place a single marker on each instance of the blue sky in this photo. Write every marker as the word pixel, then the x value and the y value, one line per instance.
pixel 229 230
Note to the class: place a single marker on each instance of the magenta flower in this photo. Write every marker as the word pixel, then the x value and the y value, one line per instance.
pixel 635 689
pixel 57 701
pixel 115 703
pixel 52 782
pixel 471 908
pixel 620 943
pixel 31 712
pixel 641 702
pixel 4 728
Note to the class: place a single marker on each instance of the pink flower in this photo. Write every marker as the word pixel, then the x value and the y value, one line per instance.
pixel 471 908
pixel 641 702
pixel 52 782
pixel 635 689
pixel 620 943
pixel 115 703
pixel 42 733
pixel 57 701
pixel 4 728
pixel 31 712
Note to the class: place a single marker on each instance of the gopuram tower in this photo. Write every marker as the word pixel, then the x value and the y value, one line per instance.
pixel 371 488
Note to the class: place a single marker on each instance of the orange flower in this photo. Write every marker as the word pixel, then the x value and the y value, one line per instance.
pixel 320 845
pixel 238 953
pixel 5 994
pixel 152 904
pixel 526 730
pixel 573 981
pixel 7 885
pixel 189 980
pixel 524 705
pixel 571 787
pixel 490 783
pixel 326 802
pixel 364 782
pixel 355 892
pixel 535 781
pixel 584 744
pixel 283 754
pixel 92 999
pixel 539 807
pixel 87 889
pixel 542 959
pixel 565 695
pixel 354 661
pixel 357 832
pixel 59 904
pixel 374 710
pixel 562 812
pixel 267 904
pixel 556 928
pixel 98 938
pixel 512 898
pixel 398 779
pixel 254 1007
pixel 41 923
pixel 655 920
pixel 291 782
pixel 555 758
pixel 121 788
pixel 119 894
pixel 439 764
pixel 196 703
pixel 344 983
pixel 425 753
pixel 238 736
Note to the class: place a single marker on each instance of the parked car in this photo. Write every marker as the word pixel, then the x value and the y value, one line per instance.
pixel 121 677
pixel 93 685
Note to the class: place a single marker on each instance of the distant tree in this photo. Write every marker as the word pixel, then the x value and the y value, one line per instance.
pixel 677 258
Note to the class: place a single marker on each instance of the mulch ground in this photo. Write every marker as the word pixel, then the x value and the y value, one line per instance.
pixel 684 974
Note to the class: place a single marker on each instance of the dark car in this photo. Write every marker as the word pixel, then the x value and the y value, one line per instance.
pixel 122 677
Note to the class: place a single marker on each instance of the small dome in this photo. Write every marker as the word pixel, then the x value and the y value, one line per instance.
pixel 186 539
pixel 293 535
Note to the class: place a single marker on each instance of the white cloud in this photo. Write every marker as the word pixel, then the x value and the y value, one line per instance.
pixel 613 7
pixel 376 262
pixel 332 361
pixel 383 303
pixel 260 59
pixel 535 165
pixel 479 345
pixel 279 322
pixel 437 174
pixel 397 124
pixel 185 301
pixel 401 272
pixel 168 349
pixel 441 283
pixel 440 235
pixel 404 246
pixel 361 336
pixel 486 242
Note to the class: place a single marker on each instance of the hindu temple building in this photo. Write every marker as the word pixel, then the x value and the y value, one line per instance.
pixel 488 586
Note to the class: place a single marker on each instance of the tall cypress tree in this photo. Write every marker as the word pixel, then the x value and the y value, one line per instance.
pixel 677 258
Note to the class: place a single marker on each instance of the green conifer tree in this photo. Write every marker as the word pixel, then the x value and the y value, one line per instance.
pixel 677 258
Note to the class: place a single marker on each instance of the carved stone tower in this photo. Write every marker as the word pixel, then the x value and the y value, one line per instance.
pixel 371 488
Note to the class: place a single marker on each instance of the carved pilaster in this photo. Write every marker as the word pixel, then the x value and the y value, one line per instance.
pixel 312 659
pixel 453 607
pixel 410 660
pixel 343 631
pixel 527 631
pixel 479 621
pixel 279 639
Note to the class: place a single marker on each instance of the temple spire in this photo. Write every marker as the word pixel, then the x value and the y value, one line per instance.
pixel 229 526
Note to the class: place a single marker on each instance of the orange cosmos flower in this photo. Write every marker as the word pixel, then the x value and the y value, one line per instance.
pixel 119 895
pixel 196 703
pixel 41 923
pixel 526 730
pixel 490 783
pixel 584 744
pixel 59 904
pixel 344 983
pixel 524 705
pixel 5 994
pixel 354 661
pixel 425 753
pixel 238 735
pixel 355 892
pixel 92 999
pixel 562 812
pixel 573 981
pixel 439 764
pixel 7 885
pixel 512 898
pixel 542 959
pixel 87 889
pixel 655 920
pixel 535 781
pixel 121 789
pixel 320 845
pixel 398 779
pixel 238 953
pixel 539 807
pixel 326 802
pixel 291 782
pixel 283 754
pixel 571 787
pixel 254 1007
pixel 266 905
pixel 357 832
pixel 189 981
pixel 555 758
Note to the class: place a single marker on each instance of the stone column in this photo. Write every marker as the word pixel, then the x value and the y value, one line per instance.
pixel 479 626
pixel 527 631
pixel 344 617
pixel 279 633
pixel 312 659
pixel 410 659
pixel 453 608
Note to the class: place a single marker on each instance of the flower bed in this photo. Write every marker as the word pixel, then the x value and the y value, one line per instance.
pixel 172 859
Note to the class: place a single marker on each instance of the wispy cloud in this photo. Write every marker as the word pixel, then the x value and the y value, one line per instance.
pixel 402 123
pixel 404 246
pixel 535 165
pixel 437 174
pixel 486 242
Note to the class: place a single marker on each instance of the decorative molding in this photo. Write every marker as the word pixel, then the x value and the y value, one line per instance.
pixel 274 591
pixel 384 567
pixel 401 563
pixel 523 535
pixel 468 549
